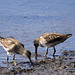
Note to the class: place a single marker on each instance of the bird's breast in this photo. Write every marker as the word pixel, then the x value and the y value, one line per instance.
pixel 42 42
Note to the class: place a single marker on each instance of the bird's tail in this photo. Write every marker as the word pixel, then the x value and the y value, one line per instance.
pixel 68 35
pixel 1 37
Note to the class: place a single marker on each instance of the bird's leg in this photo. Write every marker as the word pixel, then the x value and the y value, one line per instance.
pixel 46 52
pixel 14 59
pixel 54 51
pixel 7 60
pixel 36 52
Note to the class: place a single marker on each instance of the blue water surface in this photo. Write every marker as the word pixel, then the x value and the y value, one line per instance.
pixel 26 20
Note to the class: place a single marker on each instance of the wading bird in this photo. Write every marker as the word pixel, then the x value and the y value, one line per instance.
pixel 49 40
pixel 13 46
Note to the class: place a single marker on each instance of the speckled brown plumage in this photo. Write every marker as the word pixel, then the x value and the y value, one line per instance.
pixel 13 46
pixel 50 40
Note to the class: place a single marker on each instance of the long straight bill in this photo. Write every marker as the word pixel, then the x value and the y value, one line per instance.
pixel 36 53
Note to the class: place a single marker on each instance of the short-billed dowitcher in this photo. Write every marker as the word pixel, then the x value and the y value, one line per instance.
pixel 13 46
pixel 49 40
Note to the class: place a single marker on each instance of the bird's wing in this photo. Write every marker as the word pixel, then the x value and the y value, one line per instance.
pixel 52 37
pixel 17 42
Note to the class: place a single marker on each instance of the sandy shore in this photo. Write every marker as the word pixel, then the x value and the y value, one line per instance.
pixel 62 65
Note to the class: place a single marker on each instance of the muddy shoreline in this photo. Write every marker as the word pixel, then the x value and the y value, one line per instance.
pixel 62 65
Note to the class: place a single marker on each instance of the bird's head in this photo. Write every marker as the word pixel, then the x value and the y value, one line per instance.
pixel 27 54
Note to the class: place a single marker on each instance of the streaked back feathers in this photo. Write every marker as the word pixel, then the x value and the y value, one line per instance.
pixel 50 38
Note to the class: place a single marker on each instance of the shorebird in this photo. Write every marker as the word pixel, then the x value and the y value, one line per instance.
pixel 49 40
pixel 13 46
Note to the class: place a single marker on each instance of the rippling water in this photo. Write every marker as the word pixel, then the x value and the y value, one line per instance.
pixel 27 19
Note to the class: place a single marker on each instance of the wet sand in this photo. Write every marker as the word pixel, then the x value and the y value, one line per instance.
pixel 61 65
